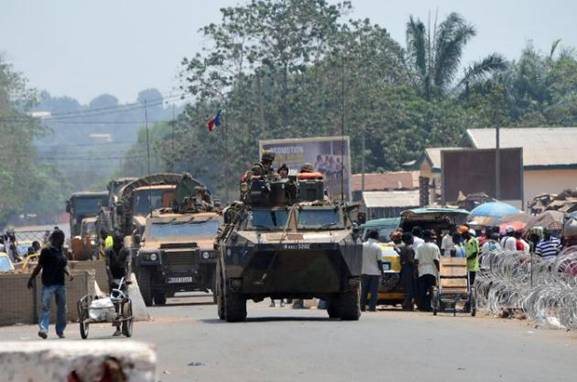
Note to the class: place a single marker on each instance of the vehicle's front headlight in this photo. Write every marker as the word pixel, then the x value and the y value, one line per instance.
pixel 153 257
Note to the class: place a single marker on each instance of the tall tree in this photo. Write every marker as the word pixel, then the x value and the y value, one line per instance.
pixel 434 56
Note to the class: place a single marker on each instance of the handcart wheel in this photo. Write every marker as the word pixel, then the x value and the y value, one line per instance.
pixel 127 318
pixel 83 320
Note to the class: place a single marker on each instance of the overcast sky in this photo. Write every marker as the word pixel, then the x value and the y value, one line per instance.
pixel 83 48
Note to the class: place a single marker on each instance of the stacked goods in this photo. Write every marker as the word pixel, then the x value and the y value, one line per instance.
pixel 564 202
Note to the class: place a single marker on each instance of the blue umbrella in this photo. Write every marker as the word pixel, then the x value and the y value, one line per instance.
pixel 494 209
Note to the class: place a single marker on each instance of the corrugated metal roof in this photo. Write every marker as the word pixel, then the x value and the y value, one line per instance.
pixel 434 155
pixel 385 199
pixel 386 181
pixel 542 146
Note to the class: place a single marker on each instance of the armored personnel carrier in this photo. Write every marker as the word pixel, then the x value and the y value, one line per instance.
pixel 285 239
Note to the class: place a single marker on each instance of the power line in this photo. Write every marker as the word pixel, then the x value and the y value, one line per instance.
pixel 97 111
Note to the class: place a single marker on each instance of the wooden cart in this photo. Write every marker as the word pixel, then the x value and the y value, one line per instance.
pixel 453 286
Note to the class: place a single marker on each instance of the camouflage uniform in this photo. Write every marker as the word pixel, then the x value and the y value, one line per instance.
pixel 260 169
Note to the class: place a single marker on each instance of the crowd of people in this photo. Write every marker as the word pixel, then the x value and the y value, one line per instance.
pixel 420 252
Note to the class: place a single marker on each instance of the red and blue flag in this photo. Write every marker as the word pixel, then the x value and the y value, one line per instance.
pixel 214 121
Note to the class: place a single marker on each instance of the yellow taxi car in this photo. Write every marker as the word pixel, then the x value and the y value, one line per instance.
pixel 5 263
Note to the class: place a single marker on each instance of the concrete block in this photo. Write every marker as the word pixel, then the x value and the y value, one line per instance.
pixel 139 309
pixel 49 361
pixel 99 267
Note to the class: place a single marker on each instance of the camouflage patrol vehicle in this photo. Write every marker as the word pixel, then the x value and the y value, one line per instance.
pixel 286 240
pixel 176 252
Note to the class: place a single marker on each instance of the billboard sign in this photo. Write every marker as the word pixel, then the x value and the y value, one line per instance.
pixel 473 170
pixel 328 155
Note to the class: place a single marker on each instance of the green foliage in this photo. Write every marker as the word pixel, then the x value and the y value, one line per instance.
pixel 25 186
pixel 294 68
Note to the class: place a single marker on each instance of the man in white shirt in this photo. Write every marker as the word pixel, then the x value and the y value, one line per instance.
pixel 371 271
pixel 509 243
pixel 417 241
pixel 427 259
pixel 447 244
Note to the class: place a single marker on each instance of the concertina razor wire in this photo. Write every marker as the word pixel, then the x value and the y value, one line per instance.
pixel 545 290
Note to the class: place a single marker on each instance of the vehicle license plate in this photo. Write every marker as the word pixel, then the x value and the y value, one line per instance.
pixel 179 280
pixel 386 267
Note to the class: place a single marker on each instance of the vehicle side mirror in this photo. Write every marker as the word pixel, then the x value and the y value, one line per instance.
pixel 137 238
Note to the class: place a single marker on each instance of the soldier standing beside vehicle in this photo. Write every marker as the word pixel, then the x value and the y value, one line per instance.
pixel 371 271
pixel 117 266
pixel 54 265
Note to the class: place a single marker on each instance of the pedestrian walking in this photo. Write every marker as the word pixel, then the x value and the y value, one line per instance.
pixel 408 270
pixel 54 266
pixel 372 270
pixel 427 258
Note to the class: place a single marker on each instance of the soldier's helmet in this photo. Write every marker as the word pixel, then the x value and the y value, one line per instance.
pixel 307 167
pixel 267 156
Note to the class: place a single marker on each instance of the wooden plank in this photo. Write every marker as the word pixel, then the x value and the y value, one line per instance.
pixel 454 283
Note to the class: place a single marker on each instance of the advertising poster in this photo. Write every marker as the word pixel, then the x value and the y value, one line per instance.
pixel 328 155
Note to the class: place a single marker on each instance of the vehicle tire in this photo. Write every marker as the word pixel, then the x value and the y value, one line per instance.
pixel 218 295
pixel 127 324
pixel 350 304
pixel 159 297
pixel 234 306
pixel 144 284
pixel 333 307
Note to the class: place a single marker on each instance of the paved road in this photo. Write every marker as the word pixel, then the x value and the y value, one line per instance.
pixel 280 344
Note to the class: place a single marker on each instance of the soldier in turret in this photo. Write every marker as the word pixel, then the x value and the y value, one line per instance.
pixel 264 167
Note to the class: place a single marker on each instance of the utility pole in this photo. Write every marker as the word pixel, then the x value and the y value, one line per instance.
pixel 147 138
pixel 227 160
pixel 343 107
pixel 363 144
pixel 173 126
pixel 147 153
pixel 497 162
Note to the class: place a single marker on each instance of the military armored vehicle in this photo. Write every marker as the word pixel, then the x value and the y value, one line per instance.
pixel 82 205
pixel 177 252
pixel 285 239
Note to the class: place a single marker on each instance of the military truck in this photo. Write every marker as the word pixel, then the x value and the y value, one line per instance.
pixel 287 240
pixel 138 198
pixel 176 252
pixel 82 205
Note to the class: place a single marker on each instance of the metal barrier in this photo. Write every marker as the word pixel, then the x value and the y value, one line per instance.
pixel 543 289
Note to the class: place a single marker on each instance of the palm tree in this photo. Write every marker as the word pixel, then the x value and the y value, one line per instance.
pixel 434 57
